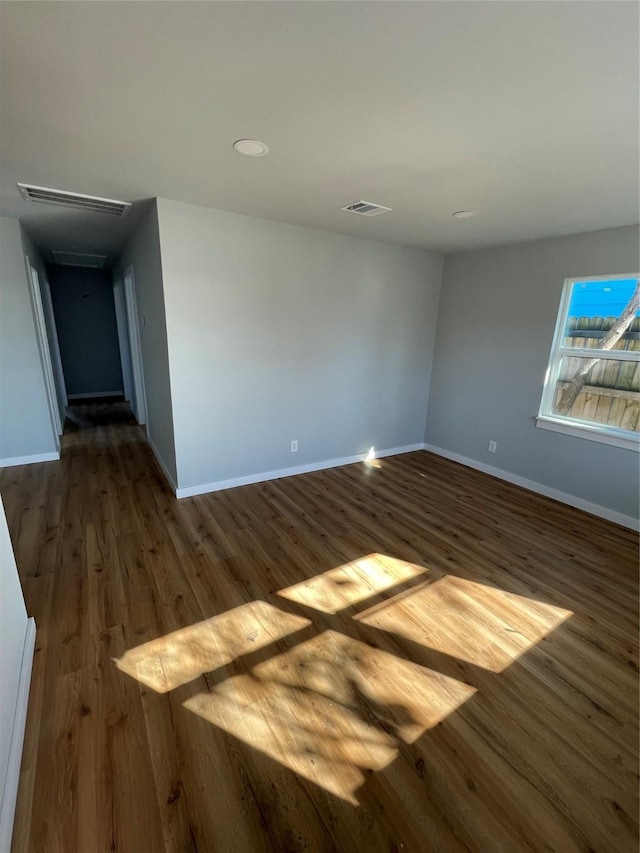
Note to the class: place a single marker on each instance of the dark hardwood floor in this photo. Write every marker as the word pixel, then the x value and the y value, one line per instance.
pixel 403 655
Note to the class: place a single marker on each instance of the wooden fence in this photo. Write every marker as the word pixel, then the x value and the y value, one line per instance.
pixel 611 394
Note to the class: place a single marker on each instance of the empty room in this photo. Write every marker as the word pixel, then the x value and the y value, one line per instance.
pixel 319 426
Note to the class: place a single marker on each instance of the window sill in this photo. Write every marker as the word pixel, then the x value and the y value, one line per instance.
pixel 591 432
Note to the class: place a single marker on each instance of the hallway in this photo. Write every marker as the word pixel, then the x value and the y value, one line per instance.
pixel 406 655
pixel 96 414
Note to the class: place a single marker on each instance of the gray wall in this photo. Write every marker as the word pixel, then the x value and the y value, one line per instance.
pixel 277 333
pixel 496 322
pixel 143 253
pixel 87 331
pixel 26 428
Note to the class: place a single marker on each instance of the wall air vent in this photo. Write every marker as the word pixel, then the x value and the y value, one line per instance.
pixel 366 208
pixel 45 195
pixel 78 259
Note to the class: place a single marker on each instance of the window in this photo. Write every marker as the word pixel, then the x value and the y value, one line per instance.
pixel 593 380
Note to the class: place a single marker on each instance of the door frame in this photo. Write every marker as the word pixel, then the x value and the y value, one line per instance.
pixel 136 344
pixel 43 346
pixel 123 339
pixel 54 343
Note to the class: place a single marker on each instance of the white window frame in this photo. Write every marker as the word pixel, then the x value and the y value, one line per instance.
pixel 546 419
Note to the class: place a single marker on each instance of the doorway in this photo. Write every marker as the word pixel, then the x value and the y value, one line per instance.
pixel 55 393
pixel 84 310
pixel 87 325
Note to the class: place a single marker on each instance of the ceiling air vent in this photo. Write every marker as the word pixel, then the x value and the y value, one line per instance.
pixel 366 208
pixel 78 259
pixel 77 201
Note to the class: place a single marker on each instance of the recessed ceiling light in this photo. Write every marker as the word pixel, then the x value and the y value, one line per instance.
pixel 251 147
pixel 463 214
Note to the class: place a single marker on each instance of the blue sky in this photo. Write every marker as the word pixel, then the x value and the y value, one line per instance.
pixel 601 298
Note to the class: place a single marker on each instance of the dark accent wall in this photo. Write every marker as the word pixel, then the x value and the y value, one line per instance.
pixel 87 331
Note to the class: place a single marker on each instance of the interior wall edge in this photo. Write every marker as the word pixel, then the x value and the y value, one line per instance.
pixel 10 461
pixel 533 486
pixel 163 467
pixel 250 479
pixel 12 779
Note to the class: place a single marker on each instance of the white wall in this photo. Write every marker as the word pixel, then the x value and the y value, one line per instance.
pixel 496 322
pixel 14 635
pixel 26 427
pixel 143 253
pixel 277 332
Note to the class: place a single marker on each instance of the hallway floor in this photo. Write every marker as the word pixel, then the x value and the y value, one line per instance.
pixel 403 655
pixel 96 413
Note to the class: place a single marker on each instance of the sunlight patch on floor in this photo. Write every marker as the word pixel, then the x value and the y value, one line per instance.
pixel 331 708
pixel 471 621
pixel 177 658
pixel 352 582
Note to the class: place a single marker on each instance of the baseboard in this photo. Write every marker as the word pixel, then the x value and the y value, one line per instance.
pixel 94 394
pixel 12 779
pixel 533 486
pixel 54 456
pixel 192 491
pixel 163 467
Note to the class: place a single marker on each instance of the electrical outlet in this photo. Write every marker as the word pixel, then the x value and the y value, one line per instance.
pixel 493 446
pixel 294 445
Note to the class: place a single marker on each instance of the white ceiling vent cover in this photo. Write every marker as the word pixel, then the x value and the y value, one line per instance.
pixel 79 259
pixel 366 208
pixel 77 201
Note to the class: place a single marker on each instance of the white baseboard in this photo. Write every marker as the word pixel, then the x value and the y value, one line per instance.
pixel 95 394
pixel 12 779
pixel 160 462
pixel 54 456
pixel 533 486
pixel 192 491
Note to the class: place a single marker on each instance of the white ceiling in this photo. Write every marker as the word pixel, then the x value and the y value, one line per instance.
pixel 526 112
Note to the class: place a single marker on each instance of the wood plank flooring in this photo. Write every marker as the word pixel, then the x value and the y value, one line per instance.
pixel 406 655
